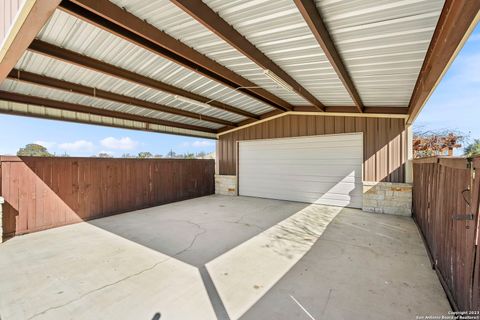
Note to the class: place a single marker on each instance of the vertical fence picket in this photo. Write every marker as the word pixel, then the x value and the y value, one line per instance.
pixel 442 209
pixel 42 193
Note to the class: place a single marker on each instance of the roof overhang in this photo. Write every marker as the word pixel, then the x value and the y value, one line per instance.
pixel 206 68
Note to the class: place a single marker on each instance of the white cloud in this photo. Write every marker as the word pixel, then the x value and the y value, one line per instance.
pixel 202 144
pixel 46 144
pixel 79 145
pixel 124 143
pixel 197 144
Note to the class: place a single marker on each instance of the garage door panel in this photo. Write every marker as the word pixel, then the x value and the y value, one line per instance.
pixel 317 180
pixel 307 153
pixel 307 186
pixel 311 169
pixel 308 162
pixel 328 198
pixel 319 169
pixel 305 146
pixel 336 138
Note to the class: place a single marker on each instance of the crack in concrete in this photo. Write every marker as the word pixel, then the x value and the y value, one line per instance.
pixel 98 289
pixel 244 224
pixel 129 276
pixel 193 240
pixel 192 243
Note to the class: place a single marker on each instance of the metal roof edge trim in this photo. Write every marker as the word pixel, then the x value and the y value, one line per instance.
pixel 337 114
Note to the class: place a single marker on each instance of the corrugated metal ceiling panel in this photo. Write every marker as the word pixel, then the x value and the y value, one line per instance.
pixel 53 68
pixel 169 18
pixel 64 115
pixel 71 33
pixel 59 95
pixel 383 44
pixel 278 29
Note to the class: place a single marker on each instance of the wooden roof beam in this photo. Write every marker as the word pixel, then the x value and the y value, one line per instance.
pixel 312 17
pixel 206 16
pixel 106 15
pixel 69 56
pixel 456 22
pixel 107 95
pixel 29 21
pixel 62 105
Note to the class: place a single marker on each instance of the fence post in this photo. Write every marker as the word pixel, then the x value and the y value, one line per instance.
pixel 1 219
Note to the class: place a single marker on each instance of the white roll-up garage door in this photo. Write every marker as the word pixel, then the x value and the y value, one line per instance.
pixel 318 169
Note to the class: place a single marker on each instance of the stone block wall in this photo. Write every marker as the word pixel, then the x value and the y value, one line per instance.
pixel 387 197
pixel 226 185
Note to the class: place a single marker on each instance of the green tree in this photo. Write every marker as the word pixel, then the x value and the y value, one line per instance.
pixel 144 155
pixel 127 155
pixel 473 149
pixel 189 156
pixel 171 154
pixel 104 155
pixel 34 150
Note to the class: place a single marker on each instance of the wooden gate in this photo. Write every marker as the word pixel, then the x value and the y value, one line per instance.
pixel 446 194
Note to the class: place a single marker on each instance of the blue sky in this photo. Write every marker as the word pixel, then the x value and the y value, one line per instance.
pixel 455 104
pixel 87 140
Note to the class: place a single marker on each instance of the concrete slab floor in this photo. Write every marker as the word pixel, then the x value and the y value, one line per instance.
pixel 222 257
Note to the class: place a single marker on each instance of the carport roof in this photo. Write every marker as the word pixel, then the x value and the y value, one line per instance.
pixel 200 68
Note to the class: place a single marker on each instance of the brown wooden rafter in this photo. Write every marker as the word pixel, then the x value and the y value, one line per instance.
pixel 107 95
pixel 69 56
pixel 312 17
pixel 39 14
pixel 206 16
pixel 456 22
pixel 106 15
pixel 61 105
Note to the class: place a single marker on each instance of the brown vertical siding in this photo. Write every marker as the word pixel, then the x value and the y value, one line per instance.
pixel 42 193
pixel 8 11
pixel 384 141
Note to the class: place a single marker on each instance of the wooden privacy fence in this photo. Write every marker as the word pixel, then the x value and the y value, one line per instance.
pixel 42 193
pixel 446 206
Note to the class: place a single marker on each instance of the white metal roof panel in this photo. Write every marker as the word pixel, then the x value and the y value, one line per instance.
pixel 64 115
pixel 59 95
pixel 169 18
pixel 278 29
pixel 53 68
pixel 383 44
pixel 69 32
